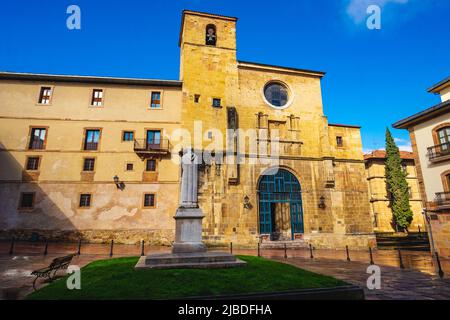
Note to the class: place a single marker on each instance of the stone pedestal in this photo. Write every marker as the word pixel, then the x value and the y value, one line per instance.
pixel 205 260
pixel 188 231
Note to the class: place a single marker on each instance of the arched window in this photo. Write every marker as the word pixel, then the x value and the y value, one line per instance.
pixel 441 134
pixel 446 180
pixel 211 35
pixel 444 137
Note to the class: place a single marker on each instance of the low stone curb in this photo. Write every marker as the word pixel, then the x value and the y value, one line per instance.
pixel 349 292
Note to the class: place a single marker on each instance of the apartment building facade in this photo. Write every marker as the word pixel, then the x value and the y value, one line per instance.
pixel 430 136
pixel 87 157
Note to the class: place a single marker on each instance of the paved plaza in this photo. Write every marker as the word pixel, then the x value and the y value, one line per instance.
pixel 417 281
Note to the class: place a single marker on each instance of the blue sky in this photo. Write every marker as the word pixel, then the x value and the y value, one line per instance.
pixel 374 77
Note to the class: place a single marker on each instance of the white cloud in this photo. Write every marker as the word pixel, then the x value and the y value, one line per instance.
pixel 403 144
pixel 357 9
pixel 398 140
pixel 406 147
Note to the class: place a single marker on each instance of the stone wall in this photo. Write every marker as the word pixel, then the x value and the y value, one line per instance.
pixel 440 225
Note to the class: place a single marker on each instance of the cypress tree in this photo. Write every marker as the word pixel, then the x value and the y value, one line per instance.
pixel 397 185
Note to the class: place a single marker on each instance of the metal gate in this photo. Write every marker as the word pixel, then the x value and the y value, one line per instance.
pixel 280 187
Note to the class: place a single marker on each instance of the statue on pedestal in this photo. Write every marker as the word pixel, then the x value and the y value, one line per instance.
pixel 188 219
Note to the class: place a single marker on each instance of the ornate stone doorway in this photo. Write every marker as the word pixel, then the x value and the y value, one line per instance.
pixel 280 205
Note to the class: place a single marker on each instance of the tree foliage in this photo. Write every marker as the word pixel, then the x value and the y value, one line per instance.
pixel 397 185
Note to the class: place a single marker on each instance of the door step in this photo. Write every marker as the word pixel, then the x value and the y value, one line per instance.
pixel 296 244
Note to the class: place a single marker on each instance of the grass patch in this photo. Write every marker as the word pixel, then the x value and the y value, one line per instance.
pixel 117 279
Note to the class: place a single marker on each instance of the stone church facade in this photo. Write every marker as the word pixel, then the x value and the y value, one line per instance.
pixel 309 187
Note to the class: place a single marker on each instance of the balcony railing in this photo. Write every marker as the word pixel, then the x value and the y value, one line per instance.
pixel 439 152
pixel 36 145
pixel 443 199
pixel 92 146
pixel 159 147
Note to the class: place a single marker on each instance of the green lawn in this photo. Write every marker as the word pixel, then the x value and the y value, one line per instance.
pixel 117 279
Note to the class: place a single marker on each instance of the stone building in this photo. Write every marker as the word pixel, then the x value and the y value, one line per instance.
pixel 273 167
pixel 378 192
pixel 430 137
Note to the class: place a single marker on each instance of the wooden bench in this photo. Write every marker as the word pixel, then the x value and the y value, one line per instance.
pixel 49 272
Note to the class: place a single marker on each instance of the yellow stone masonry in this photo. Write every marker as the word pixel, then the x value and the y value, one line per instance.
pixel 332 175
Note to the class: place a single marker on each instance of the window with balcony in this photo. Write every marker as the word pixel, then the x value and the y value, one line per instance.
pixel 92 139
pixel 444 135
pixel 37 138
pixel 153 139
pixel 441 150
pixel 443 198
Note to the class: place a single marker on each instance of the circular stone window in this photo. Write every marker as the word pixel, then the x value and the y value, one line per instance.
pixel 276 94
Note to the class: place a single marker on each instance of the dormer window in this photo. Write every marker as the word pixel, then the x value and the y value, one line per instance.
pixel 211 36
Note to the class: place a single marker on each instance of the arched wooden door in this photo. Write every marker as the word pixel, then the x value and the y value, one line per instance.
pixel 280 187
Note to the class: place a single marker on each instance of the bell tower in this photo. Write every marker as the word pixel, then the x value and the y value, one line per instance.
pixel 208 69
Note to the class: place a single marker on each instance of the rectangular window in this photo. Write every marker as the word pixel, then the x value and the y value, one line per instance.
pixel 91 139
pixel 37 139
pixel 45 95
pixel 32 164
pixel 150 165
pixel 130 167
pixel 26 200
pixel 339 141
pixel 85 200
pixel 149 200
pixel 197 98
pixel 128 136
pixel 156 100
pixel 217 103
pixel 97 98
pixel 89 164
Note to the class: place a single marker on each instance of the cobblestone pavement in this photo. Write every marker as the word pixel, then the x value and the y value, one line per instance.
pixel 417 281
pixel 396 284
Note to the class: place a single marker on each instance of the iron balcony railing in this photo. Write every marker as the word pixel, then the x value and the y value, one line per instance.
pixel 443 199
pixel 91 146
pixel 36 145
pixel 436 152
pixel 157 145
